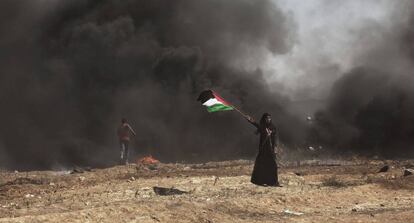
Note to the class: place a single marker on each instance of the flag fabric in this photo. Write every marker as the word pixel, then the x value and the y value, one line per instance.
pixel 213 101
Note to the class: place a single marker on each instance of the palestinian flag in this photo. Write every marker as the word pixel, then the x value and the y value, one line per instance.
pixel 213 101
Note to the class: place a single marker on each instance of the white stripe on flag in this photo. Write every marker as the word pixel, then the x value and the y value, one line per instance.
pixel 211 102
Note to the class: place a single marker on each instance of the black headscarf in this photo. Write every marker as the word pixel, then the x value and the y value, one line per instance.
pixel 263 124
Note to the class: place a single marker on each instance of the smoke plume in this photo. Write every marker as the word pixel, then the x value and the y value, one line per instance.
pixel 70 70
pixel 370 106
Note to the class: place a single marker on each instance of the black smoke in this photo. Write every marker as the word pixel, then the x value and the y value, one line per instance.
pixel 69 70
pixel 370 107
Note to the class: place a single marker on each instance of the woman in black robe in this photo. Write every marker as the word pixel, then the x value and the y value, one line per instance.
pixel 265 166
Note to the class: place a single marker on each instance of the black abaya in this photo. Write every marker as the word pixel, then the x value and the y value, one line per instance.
pixel 265 166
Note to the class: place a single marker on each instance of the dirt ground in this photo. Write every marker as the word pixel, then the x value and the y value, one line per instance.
pixel 313 191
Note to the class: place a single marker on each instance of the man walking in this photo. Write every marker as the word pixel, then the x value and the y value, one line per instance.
pixel 124 132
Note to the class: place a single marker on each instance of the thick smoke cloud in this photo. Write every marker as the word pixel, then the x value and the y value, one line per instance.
pixel 71 69
pixel 370 107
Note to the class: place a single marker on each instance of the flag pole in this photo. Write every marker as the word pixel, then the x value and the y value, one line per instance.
pixel 242 113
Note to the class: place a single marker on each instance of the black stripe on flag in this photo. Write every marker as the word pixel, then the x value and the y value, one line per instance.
pixel 205 96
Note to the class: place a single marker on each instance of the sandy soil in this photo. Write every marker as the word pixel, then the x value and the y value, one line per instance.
pixel 314 191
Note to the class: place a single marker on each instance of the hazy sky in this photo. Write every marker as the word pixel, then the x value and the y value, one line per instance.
pixel 329 36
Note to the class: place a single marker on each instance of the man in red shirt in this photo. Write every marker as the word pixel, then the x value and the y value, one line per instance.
pixel 124 132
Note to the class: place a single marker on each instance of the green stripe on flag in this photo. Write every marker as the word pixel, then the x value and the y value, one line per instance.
pixel 219 107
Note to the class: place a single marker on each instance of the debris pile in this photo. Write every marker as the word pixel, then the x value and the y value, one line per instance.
pixel 295 213
pixel 168 191
pixel 80 170
pixel 384 169
pixel 408 172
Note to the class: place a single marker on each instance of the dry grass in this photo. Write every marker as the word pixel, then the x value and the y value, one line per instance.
pixel 333 182
pixel 404 183
pixel 218 192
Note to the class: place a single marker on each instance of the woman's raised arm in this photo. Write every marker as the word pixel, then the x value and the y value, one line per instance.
pixel 252 121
